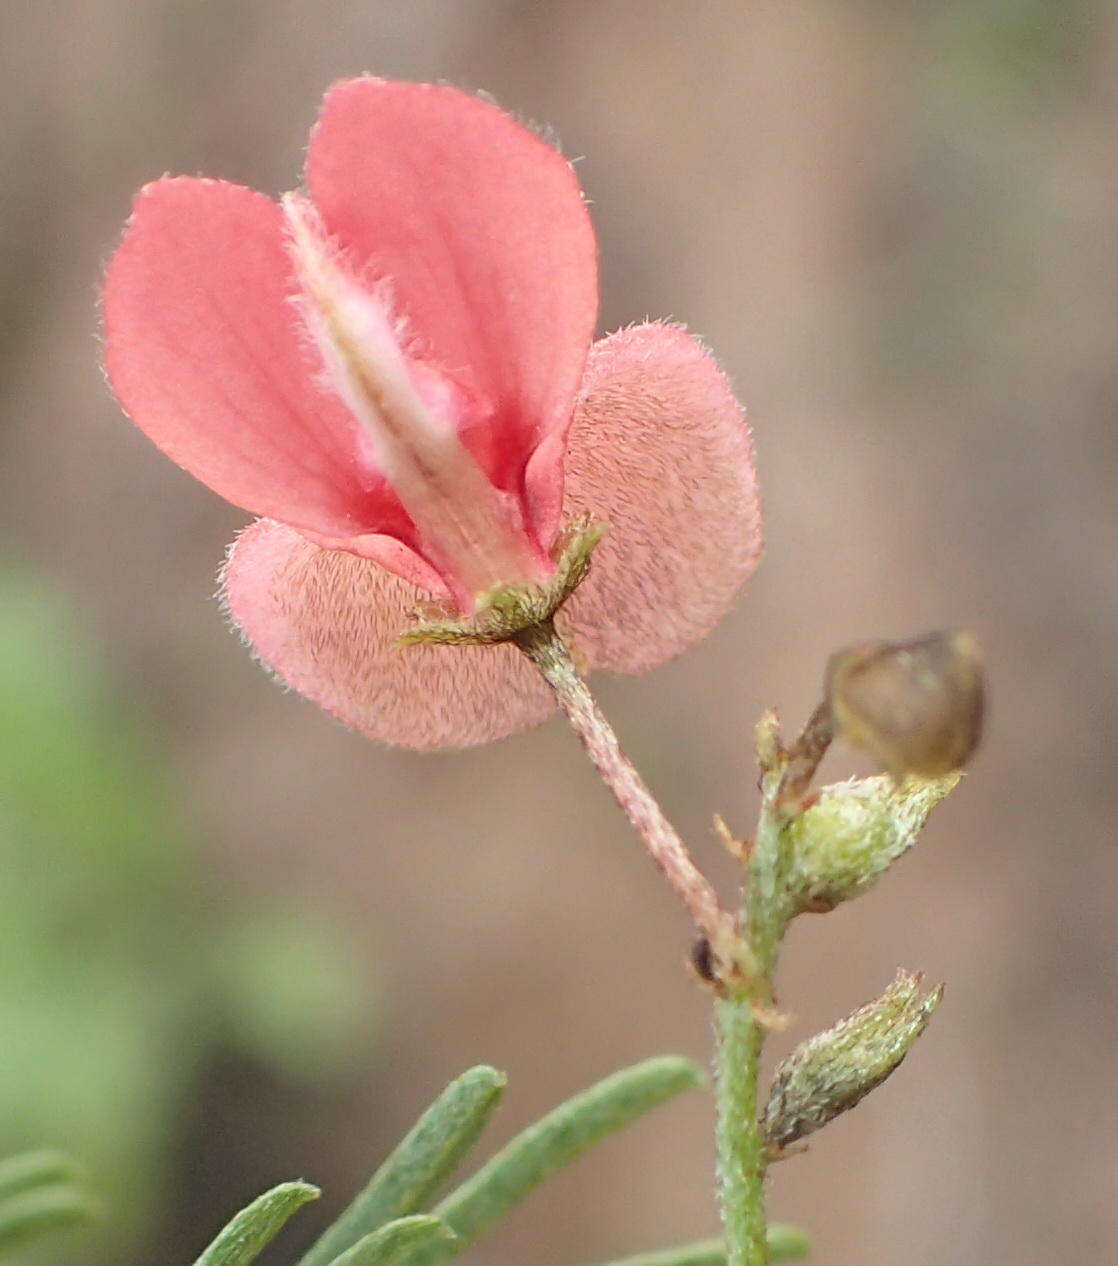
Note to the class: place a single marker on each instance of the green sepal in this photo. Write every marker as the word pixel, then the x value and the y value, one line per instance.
pixel 832 1071
pixel 509 609
pixel 387 1245
pixel 553 1142
pixel 257 1225
pixel 421 1163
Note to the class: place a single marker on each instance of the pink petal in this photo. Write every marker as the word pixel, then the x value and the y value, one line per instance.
pixel 660 450
pixel 482 230
pixel 326 622
pixel 205 352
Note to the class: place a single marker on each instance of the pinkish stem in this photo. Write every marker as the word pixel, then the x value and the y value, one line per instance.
pixel 546 649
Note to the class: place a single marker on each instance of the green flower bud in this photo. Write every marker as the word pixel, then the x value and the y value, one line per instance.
pixel 917 706
pixel 842 843
pixel 831 1072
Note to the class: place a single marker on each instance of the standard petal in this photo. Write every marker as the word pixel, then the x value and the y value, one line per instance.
pixel 204 351
pixel 326 622
pixel 661 451
pixel 481 228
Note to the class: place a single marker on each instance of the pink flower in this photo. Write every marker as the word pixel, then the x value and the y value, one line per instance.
pixel 396 371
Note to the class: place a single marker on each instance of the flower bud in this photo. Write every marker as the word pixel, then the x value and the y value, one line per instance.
pixel 917 706
pixel 831 1072
pixel 852 833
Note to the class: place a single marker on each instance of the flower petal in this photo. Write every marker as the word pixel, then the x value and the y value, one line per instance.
pixel 204 351
pixel 661 451
pixel 482 230
pixel 327 621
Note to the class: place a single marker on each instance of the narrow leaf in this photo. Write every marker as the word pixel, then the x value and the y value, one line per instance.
pixel 43 1209
pixel 556 1140
pixel 256 1226
pixel 786 1244
pixel 421 1163
pixel 393 1240
pixel 702 1253
pixel 33 1169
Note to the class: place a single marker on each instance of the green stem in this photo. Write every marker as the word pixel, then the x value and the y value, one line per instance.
pixel 741 1154
pixel 741 1019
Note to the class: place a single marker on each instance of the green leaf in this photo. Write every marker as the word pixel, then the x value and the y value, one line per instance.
pixel 421 1163
pixel 786 1244
pixel 43 1209
pixel 702 1253
pixel 258 1225
pixel 556 1140
pixel 393 1240
pixel 34 1169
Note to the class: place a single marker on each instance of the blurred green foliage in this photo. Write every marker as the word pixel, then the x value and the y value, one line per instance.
pixel 40 1194
pixel 1018 51
pixel 120 970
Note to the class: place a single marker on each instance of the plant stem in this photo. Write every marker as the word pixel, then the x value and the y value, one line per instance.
pixel 744 1006
pixel 741 1019
pixel 741 1156
pixel 544 646
pixel 738 956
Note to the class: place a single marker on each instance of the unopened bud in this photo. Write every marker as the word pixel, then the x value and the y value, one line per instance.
pixel 853 832
pixel 831 1072
pixel 917 706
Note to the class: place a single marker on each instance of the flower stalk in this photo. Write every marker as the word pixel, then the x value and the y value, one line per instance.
pixel 744 961
pixel 544 646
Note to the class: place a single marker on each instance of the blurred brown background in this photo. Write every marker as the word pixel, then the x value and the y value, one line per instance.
pixel 897 224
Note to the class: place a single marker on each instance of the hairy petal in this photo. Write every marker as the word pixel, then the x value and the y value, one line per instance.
pixel 326 622
pixel 661 451
pixel 205 352
pixel 481 228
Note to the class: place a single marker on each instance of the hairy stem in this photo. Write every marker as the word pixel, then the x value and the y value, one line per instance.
pixel 741 1154
pixel 744 978
pixel 545 648
pixel 741 1018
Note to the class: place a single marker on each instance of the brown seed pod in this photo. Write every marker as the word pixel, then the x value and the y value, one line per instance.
pixel 917 706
